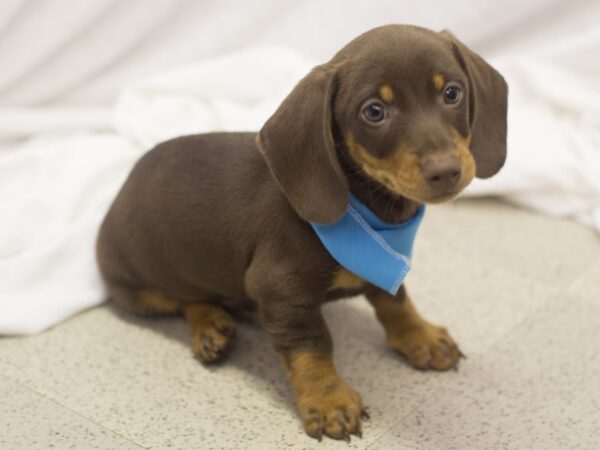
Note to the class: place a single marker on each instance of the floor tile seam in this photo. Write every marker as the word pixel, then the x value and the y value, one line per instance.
pixel 447 383
pixel 556 293
pixel 384 431
pixel 581 276
pixel 409 413
pixel 55 402
pixel 472 260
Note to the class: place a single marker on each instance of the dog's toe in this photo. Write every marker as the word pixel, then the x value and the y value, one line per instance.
pixel 427 347
pixel 212 343
pixel 335 414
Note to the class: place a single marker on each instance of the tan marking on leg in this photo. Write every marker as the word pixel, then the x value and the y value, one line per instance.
pixel 439 81
pixel 424 345
pixel 212 330
pixel 343 279
pixel 158 302
pixel 387 93
pixel 326 404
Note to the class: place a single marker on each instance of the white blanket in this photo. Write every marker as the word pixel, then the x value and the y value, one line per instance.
pixel 56 188
pixel 56 185
pixel 553 161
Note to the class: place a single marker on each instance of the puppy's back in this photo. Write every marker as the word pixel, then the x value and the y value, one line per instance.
pixel 166 225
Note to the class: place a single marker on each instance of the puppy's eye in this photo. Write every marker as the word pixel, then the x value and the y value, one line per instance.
pixel 452 94
pixel 374 112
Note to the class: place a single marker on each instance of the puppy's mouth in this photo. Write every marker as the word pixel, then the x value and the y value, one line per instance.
pixel 438 178
pixel 443 196
pixel 415 187
pixel 419 190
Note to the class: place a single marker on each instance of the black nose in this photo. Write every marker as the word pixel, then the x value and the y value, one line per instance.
pixel 442 172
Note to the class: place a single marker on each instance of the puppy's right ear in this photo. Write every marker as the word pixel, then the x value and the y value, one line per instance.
pixel 297 143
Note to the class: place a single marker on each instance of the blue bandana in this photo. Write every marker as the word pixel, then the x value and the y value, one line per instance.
pixel 376 251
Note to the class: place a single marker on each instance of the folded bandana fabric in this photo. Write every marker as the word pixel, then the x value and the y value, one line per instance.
pixel 376 251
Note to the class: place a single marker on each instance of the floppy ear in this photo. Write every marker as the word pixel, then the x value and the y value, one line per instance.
pixel 297 143
pixel 488 98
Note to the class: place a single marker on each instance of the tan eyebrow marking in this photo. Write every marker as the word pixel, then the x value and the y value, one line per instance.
pixel 438 81
pixel 387 93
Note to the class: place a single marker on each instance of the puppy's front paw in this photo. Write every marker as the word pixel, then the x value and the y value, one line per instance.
pixel 335 410
pixel 426 346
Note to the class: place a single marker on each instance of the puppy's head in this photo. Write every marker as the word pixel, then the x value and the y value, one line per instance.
pixel 414 110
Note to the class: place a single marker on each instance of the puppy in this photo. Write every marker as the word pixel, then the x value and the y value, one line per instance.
pixel 399 117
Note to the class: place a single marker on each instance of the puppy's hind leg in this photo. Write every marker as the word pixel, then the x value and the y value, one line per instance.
pixel 213 330
pixel 143 302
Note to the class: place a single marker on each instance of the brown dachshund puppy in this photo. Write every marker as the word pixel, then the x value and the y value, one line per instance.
pixel 399 117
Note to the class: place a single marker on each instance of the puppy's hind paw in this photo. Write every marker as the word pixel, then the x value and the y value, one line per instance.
pixel 213 342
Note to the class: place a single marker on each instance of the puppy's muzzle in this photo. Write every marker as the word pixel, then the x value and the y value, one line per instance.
pixel 442 172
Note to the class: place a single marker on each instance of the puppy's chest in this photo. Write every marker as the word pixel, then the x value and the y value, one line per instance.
pixel 345 284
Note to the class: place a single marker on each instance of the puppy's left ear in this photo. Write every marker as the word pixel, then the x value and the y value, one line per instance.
pixel 297 144
pixel 488 99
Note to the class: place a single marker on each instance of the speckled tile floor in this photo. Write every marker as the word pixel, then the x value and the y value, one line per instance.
pixel 520 292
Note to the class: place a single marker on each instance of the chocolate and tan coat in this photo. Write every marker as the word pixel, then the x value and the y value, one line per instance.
pixel 399 117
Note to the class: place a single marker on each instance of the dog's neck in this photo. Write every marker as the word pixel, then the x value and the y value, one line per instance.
pixel 388 206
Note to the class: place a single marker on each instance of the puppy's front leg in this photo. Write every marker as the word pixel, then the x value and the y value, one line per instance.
pixel 424 345
pixel 293 319
pixel 326 404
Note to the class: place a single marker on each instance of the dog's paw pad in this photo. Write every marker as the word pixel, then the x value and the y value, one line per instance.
pixel 212 343
pixel 336 414
pixel 427 347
